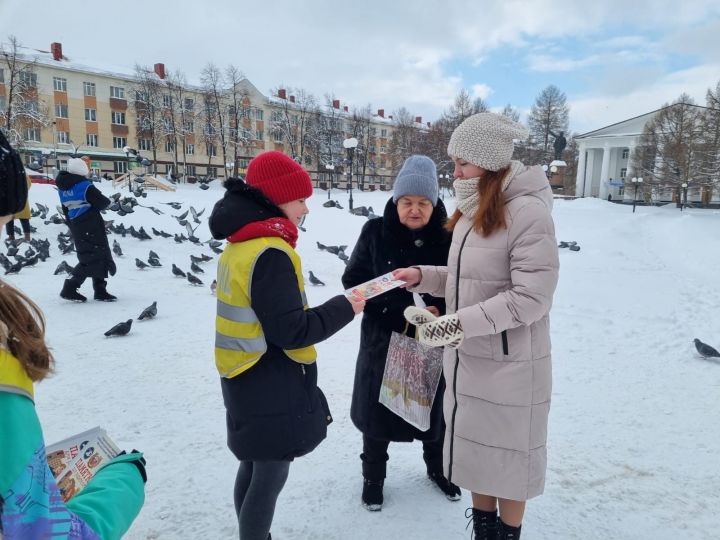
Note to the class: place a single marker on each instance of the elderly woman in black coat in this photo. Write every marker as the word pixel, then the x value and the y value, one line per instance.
pixel 410 232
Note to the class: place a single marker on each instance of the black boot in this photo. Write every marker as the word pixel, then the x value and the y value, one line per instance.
pixel 507 532
pixel 485 524
pixel 372 494
pixel 70 291
pixel 101 293
pixel 451 491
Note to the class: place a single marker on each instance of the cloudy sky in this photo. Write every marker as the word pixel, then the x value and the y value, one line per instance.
pixel 614 59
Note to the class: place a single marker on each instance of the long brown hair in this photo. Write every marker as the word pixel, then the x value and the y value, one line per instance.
pixel 22 331
pixel 490 215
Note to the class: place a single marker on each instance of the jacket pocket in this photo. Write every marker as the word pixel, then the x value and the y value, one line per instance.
pixel 505 348
pixel 325 407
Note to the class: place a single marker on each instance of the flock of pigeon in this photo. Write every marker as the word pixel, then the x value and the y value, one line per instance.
pixel 123 328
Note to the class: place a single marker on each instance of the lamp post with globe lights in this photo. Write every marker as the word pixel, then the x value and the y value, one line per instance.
pixel 637 182
pixel 350 145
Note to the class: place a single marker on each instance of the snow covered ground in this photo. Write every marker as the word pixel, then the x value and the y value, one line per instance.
pixel 633 437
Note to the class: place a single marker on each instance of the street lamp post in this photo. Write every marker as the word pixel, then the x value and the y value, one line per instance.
pixel 330 168
pixel 229 167
pixel 684 199
pixel 350 145
pixel 637 182
pixel 549 171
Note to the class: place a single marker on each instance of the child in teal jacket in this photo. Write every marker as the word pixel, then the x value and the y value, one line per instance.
pixel 30 503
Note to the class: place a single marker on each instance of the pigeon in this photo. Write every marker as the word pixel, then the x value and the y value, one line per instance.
pixel 214 243
pixel 193 279
pixel 143 235
pixel 63 267
pixel 179 238
pixel 154 262
pixel 176 271
pixel 160 233
pixel 153 255
pixel 120 329
pixel 195 268
pixel 117 250
pixel 196 260
pixel 314 280
pixel 149 312
pixel 574 248
pixel 343 257
pixel 141 265
pixel 705 350
pixel 182 216
pixel 333 249
pixel 174 205
pixel 204 187
pixel 563 245
pixel 213 286
pixel 31 261
pixel 14 268
pixel 216 250
pixel 321 246
pixel 205 258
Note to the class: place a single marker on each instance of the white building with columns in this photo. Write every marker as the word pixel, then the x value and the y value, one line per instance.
pixel 604 157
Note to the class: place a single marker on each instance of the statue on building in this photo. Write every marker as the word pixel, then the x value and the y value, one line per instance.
pixel 559 144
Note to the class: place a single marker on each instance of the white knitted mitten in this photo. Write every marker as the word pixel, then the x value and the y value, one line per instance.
pixel 417 315
pixel 445 330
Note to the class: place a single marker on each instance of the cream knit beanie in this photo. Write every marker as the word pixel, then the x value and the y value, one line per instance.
pixel 486 140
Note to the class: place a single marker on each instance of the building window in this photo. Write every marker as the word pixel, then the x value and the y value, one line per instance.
pixel 169 147
pixel 246 112
pixel 31 106
pixel 120 167
pixel 2 75
pixel 623 172
pixel 144 144
pixel 119 142
pixel 244 163
pixel 61 110
pixel 28 79
pixel 276 116
pixel 382 148
pixel 167 101
pixel 259 134
pixel 258 114
pixel 371 149
pixel 118 117
pixel 91 139
pixel 89 88
pixel 32 134
pixel 189 104
pixel 167 124
pixel 277 136
pixel 60 84
pixel 308 159
pixel 3 103
pixel 190 170
pixel 373 131
pixel 140 96
pixel 63 137
pixel 210 130
pixel 90 115
pixel 625 153
pixel 621 191
pixel 212 172
pixel 117 92
pixel 189 126
pixel 190 149
pixel 211 150
pixel 383 133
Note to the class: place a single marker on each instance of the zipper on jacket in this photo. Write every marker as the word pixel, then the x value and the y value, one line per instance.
pixel 503 334
pixel 457 360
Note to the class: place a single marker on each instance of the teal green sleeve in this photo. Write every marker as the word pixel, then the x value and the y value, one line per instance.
pixel 112 499
pixel 20 436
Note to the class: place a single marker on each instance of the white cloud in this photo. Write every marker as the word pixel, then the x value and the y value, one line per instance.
pixel 481 91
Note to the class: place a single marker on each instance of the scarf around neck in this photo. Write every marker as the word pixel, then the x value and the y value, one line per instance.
pixel 278 227
pixel 467 194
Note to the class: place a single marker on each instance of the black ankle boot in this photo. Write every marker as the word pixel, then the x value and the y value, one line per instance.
pixel 451 491
pixel 69 292
pixel 372 494
pixel 507 532
pixel 101 293
pixel 485 524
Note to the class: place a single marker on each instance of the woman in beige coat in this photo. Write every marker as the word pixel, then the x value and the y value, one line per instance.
pixel 498 285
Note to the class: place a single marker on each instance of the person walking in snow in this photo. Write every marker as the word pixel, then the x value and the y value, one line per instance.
pixel 82 203
pixel 498 284
pixel 24 216
pixel 411 231
pixel 265 332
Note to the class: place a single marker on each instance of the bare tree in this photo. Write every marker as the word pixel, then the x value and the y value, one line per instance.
pixel 550 114
pixel 711 144
pixel 294 120
pixel 215 113
pixel 406 139
pixel 364 160
pixel 670 152
pixel 511 112
pixel 22 111
pixel 239 113
pixel 146 97
pixel 181 111
pixel 326 136
pixel 463 107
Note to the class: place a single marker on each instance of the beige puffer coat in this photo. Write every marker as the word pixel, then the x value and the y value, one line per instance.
pixel 499 380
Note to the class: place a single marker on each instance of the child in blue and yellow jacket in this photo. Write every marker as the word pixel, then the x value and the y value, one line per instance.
pixel 30 503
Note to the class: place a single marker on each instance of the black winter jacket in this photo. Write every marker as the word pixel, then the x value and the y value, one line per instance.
pixel 88 231
pixel 384 245
pixel 275 410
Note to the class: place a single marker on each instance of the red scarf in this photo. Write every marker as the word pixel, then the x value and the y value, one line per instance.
pixel 277 226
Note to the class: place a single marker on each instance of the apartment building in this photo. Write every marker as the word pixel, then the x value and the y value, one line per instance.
pixel 103 111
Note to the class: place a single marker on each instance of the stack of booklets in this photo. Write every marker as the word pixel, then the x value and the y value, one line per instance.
pixel 75 460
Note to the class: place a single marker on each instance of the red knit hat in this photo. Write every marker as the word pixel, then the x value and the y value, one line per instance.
pixel 279 177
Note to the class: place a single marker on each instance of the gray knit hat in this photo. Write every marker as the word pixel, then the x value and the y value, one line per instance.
pixel 486 140
pixel 418 176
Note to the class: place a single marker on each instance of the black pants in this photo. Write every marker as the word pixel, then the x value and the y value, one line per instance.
pixel 78 278
pixel 257 487
pixel 375 457
pixel 10 226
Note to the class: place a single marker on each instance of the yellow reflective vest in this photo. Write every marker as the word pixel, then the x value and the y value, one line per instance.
pixel 239 339
pixel 13 377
